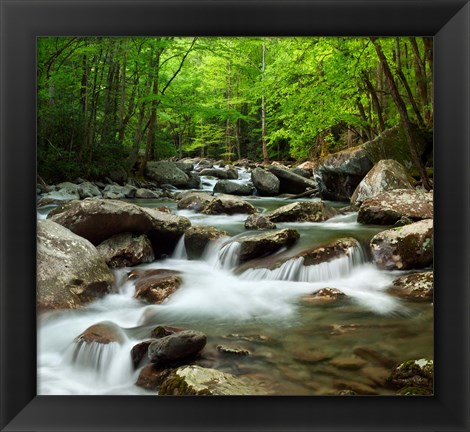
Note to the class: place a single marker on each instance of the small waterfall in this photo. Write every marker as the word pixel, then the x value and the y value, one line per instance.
pixel 180 250
pixel 105 363
pixel 294 270
pixel 228 256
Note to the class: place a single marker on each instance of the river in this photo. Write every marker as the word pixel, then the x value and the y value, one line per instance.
pixel 295 348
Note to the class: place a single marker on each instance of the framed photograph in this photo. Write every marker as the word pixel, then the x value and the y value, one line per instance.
pixel 311 326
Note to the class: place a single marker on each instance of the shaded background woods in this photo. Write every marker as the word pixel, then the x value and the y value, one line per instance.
pixel 108 104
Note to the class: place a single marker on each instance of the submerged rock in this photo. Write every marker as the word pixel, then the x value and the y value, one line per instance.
pixel 402 248
pixel 198 237
pixel 182 345
pixel 196 380
pixel 237 351
pixel 387 208
pixel 155 286
pixel 414 287
pixel 323 296
pixel 386 175
pixel 70 271
pixel 315 211
pixel 125 250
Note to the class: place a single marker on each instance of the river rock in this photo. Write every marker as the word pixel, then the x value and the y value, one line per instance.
pixel 258 222
pixel 290 182
pixel 201 164
pixel 306 211
pixel 403 248
pixel 228 204
pixel 266 183
pixel 143 193
pixel 114 191
pixel 97 220
pixel 125 250
pixel 139 353
pixel 88 190
pixel 386 175
pixel 415 287
pixel 194 181
pixel 193 200
pixel 266 243
pixel 185 166
pixel 162 331
pixel 229 350
pixel 323 296
pixel 197 238
pixel 232 188
pixel 118 175
pixel 151 377
pixel 387 208
pixel 155 286
pixel 165 172
pixel 339 248
pixel 413 377
pixel 64 192
pixel 70 271
pixel 393 144
pixel 105 332
pixel 222 174
pixel 196 380
pixel 339 174
pixel 178 346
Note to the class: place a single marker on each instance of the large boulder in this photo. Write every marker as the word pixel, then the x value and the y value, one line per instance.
pixel 196 380
pixel 232 188
pixel 155 286
pixel 97 220
pixel 339 174
pixel 418 287
pixel 125 250
pixel 198 237
pixel 265 243
pixel 176 347
pixel 266 183
pixel 393 144
pixel 165 172
pixel 306 211
pixel 222 174
pixel 290 182
pixel 388 208
pixel 386 175
pixel 228 204
pixel 403 248
pixel 64 192
pixel 70 271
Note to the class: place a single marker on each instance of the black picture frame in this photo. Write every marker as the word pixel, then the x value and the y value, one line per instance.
pixel 24 20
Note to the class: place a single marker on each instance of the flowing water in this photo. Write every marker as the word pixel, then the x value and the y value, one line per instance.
pixel 295 348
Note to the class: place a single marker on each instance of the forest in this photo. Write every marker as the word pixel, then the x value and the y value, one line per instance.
pixel 105 102
pixel 235 216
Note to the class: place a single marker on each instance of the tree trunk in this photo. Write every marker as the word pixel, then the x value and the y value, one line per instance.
pixel 263 109
pixel 401 107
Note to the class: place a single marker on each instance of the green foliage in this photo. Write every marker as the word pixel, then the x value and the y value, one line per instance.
pixel 96 96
